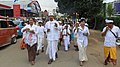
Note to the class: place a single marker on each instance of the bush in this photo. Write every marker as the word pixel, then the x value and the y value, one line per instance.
pixel 98 23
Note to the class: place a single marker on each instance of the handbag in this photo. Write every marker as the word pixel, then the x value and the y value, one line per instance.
pixel 117 39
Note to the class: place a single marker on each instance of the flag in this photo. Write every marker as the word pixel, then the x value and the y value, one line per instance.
pixel 15 0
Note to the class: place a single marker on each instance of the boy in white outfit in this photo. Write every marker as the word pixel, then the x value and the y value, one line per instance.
pixel 66 35
pixel 40 36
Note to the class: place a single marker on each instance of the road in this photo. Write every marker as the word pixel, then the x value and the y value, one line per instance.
pixel 13 56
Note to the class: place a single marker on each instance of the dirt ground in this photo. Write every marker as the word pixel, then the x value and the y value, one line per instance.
pixel 13 56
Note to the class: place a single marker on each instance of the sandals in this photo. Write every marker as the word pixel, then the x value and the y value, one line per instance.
pixel 32 62
pixel 81 63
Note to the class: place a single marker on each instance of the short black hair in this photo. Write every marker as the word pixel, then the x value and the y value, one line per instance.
pixel 32 18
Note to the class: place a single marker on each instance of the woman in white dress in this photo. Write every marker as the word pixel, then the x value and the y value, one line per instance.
pixel 82 41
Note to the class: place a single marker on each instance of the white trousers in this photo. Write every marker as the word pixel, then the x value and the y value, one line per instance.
pixel 66 43
pixel 69 40
pixel 56 44
pixel 51 50
pixel 39 45
pixel 82 53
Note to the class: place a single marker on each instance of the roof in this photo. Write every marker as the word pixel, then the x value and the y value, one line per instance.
pixel 2 17
pixel 2 6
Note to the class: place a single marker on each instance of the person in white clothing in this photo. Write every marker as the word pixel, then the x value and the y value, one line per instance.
pixel 66 34
pixel 40 36
pixel 82 41
pixel 57 36
pixel 110 32
pixel 52 28
pixel 60 32
pixel 75 36
pixel 68 27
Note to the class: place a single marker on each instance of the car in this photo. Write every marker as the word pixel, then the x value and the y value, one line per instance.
pixel 12 23
pixel 8 33
pixel 19 27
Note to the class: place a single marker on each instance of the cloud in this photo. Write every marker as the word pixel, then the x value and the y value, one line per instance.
pixel 47 4
pixel 107 1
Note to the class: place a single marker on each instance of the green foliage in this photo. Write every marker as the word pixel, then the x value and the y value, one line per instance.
pixel 110 9
pixel 85 8
pixel 99 20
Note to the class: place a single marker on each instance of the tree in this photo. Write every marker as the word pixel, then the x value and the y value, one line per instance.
pixel 110 9
pixel 85 8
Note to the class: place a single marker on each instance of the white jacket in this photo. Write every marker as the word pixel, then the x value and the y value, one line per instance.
pixel 54 31
pixel 81 37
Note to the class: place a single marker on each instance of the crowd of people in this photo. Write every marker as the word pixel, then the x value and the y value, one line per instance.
pixel 55 32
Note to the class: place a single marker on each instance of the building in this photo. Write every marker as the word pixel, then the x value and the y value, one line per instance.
pixel 4 7
pixel 117 7
pixel 27 7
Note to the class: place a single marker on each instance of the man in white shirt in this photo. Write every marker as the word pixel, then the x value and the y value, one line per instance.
pixel 110 42
pixel 52 28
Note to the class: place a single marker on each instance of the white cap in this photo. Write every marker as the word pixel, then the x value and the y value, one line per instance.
pixel 59 21
pixel 108 21
pixel 51 14
pixel 40 21
pixel 82 18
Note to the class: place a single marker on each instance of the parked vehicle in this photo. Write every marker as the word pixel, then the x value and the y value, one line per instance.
pixel 12 24
pixel 19 27
pixel 8 33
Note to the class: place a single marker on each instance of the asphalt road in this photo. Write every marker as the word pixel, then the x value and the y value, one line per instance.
pixel 13 56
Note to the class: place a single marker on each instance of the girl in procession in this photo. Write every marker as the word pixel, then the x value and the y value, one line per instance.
pixel 31 40
pixel 66 37
pixel 82 41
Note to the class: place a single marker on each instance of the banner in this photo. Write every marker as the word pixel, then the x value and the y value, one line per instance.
pixel 16 10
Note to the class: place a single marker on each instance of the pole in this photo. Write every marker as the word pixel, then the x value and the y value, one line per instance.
pixel 104 10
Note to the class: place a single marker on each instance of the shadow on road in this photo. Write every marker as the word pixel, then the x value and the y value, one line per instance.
pixel 4 47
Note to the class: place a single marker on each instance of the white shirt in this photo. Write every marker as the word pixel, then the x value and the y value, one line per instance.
pixel 54 31
pixel 60 28
pixel 40 31
pixel 24 33
pixel 68 26
pixel 82 38
pixel 110 39
pixel 65 31
pixel 30 38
